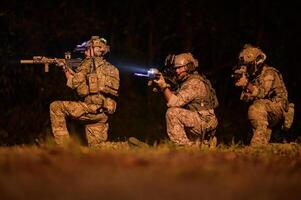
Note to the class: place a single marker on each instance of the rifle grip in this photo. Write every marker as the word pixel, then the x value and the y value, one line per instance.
pixel 157 76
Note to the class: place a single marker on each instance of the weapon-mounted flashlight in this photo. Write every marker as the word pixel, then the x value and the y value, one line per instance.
pixel 152 73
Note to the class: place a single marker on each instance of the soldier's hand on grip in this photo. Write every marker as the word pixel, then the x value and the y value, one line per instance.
pixel 242 82
pixel 240 76
pixel 161 82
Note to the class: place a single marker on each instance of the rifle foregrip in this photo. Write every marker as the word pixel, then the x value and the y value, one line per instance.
pixel 26 61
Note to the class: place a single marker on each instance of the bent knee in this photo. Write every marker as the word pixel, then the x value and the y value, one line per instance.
pixel 257 110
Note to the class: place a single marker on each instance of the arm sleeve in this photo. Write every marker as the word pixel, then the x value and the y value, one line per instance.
pixel 80 75
pixel 189 91
pixel 261 90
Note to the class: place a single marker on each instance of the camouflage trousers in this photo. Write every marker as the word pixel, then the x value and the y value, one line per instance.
pixel 96 126
pixel 264 115
pixel 184 126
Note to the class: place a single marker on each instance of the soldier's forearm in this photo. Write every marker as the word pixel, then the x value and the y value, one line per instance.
pixel 68 74
pixel 69 77
pixel 167 93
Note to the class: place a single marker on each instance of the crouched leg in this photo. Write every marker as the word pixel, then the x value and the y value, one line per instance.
pixel 258 117
pixel 58 122
pixel 96 133
pixel 177 120
pixel 96 128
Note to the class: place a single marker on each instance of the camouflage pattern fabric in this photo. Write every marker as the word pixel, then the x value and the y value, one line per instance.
pixel 288 117
pixel 269 85
pixel 108 77
pixel 184 125
pixel 94 107
pixel 96 127
pixel 269 100
pixel 263 115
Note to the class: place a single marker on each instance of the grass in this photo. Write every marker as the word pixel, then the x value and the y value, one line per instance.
pixel 117 170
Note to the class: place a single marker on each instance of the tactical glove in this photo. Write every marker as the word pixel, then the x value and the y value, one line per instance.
pixel 161 83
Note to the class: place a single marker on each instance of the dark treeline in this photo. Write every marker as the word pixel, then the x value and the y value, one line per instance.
pixel 141 34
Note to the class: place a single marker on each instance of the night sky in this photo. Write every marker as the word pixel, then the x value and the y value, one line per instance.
pixel 140 34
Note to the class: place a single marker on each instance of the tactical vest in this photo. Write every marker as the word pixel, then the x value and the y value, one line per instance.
pixel 278 90
pixel 103 79
pixel 207 102
pixel 102 83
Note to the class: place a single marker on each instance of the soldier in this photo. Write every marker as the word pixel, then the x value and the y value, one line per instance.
pixel 97 82
pixel 190 114
pixel 263 86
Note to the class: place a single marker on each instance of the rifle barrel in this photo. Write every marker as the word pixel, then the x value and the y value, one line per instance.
pixel 26 61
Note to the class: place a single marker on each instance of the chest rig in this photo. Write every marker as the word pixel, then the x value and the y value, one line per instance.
pixel 103 84
pixel 207 102
pixel 278 90
pixel 103 78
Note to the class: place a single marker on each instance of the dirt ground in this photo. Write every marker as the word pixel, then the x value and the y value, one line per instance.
pixel 118 171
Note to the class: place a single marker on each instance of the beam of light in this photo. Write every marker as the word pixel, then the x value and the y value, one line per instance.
pixel 138 74
pixel 152 73
pixel 132 69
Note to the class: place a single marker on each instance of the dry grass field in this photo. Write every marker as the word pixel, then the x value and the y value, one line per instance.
pixel 120 171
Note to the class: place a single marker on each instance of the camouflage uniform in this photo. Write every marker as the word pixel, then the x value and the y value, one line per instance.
pixel 267 92
pixel 187 111
pixel 94 108
pixel 269 102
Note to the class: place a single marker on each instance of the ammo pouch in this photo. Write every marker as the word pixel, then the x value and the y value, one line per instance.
pixel 288 117
pixel 93 83
pixel 82 90
pixel 105 81
pixel 109 105
pixel 109 81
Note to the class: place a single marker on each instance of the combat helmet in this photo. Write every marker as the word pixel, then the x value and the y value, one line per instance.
pixel 251 54
pixel 96 41
pixel 253 58
pixel 186 59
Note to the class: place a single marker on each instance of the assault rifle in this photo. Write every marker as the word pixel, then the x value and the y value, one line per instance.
pixel 66 63
pixel 168 73
pixel 152 74
pixel 238 71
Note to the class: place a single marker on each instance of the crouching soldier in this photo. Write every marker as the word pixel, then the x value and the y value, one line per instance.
pixel 264 88
pixel 190 115
pixel 97 82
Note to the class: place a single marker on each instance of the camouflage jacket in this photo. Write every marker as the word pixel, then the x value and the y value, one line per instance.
pixel 108 80
pixel 190 95
pixel 267 85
